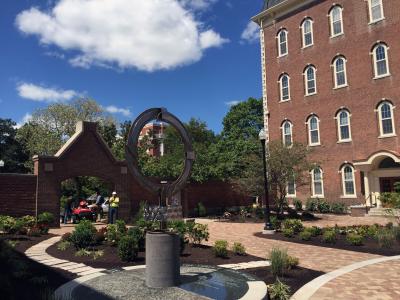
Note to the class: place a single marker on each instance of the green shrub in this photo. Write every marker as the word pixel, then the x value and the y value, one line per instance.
pixel 97 254
pixel 389 225
pixel 201 210
pixel 100 236
pixel 83 252
pixel 323 206
pixel 127 248
pixel 278 259
pixel 354 239
pixel 338 208
pixel 311 204
pixel 385 238
pixel 34 231
pixel 305 235
pixel 112 235
pixel 66 236
pixel 7 224
pixel 84 235
pixel 45 218
pixel 294 224
pixel 396 232
pixel 259 213
pixel 198 233
pixel 238 249
pixel 121 226
pixel 276 223
pixel 298 205
pixel 329 236
pixel 314 230
pixel 220 248
pixel 138 234
pixel 390 200
pixel 288 232
pixel 279 291
pixel 25 223
pixel 292 262
pixel 372 230
pixel 63 245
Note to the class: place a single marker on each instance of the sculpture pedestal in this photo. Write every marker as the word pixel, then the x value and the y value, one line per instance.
pixel 162 259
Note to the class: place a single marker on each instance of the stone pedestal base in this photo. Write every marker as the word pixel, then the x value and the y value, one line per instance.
pixel 268 231
pixel 162 259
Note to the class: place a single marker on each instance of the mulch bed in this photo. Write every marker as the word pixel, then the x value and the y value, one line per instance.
pixel 369 245
pixel 23 278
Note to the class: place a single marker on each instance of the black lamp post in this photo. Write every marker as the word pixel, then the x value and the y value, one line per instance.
pixel 268 226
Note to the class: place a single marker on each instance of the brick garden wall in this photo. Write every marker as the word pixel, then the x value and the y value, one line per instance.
pixel 17 194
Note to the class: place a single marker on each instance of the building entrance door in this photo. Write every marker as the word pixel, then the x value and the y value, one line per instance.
pixel 387 184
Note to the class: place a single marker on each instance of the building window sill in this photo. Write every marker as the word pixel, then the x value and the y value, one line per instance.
pixel 317 196
pixel 340 86
pixel 387 136
pixel 308 46
pixel 381 76
pixel 282 55
pixel 291 196
pixel 314 145
pixel 376 21
pixel 344 142
pixel 311 94
pixel 283 101
pixel 336 35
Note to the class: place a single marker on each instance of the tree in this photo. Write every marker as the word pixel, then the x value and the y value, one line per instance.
pixel 11 150
pixel 50 127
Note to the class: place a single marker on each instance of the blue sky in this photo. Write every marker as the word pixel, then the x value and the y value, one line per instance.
pixel 190 56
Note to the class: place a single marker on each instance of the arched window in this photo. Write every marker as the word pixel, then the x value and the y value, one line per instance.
pixel 336 21
pixel 375 10
pixel 343 124
pixel 310 80
pixel 291 187
pixel 348 182
pixel 339 70
pixel 307 32
pixel 313 131
pixel 282 42
pixel 284 87
pixel 380 60
pixel 317 183
pixel 287 133
pixel 386 120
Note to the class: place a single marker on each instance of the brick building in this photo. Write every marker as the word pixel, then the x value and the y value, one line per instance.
pixel 331 80
pixel 155 134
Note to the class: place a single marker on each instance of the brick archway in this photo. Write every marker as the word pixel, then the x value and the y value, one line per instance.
pixel 84 154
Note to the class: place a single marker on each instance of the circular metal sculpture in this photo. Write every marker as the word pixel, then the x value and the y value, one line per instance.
pixel 131 150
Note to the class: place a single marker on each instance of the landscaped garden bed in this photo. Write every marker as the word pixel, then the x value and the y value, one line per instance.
pixel 374 239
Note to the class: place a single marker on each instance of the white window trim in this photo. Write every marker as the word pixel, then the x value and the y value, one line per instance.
pixel 295 190
pixel 283 132
pixel 335 72
pixel 303 33
pixel 376 76
pixel 281 88
pixel 337 117
pixel 344 195
pixel 306 81
pixel 313 194
pixel 332 35
pixel 381 134
pixel 309 132
pixel 279 43
pixel 370 13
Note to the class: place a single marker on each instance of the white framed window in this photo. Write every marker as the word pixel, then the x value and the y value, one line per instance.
pixel 307 32
pixel 340 72
pixel 317 182
pixel 282 39
pixel 386 119
pixel 310 81
pixel 284 87
pixel 336 20
pixel 291 187
pixel 287 133
pixel 343 126
pixel 313 131
pixel 348 181
pixel 375 10
pixel 380 60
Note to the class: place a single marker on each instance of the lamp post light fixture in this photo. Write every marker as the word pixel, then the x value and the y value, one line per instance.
pixel 268 229
pixel 1 164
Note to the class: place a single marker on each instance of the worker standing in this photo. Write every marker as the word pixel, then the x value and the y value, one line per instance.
pixel 113 211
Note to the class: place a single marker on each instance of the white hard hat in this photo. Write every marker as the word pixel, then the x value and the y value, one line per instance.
pixel 114 193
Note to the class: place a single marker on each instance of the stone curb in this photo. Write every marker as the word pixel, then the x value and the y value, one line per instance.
pixel 309 289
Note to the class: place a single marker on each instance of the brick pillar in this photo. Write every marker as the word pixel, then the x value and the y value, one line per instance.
pixel 122 188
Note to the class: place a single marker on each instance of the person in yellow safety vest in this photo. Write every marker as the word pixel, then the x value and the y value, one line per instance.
pixel 113 210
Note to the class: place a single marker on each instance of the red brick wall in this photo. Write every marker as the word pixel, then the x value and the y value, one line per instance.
pixel 360 97
pixel 17 194
pixel 215 196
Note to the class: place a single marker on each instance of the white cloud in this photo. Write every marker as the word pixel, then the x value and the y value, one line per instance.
pixel 44 94
pixel 210 38
pixel 251 33
pixel 116 110
pixel 25 119
pixel 147 35
pixel 232 103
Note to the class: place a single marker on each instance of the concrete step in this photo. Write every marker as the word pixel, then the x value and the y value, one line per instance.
pixel 383 212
